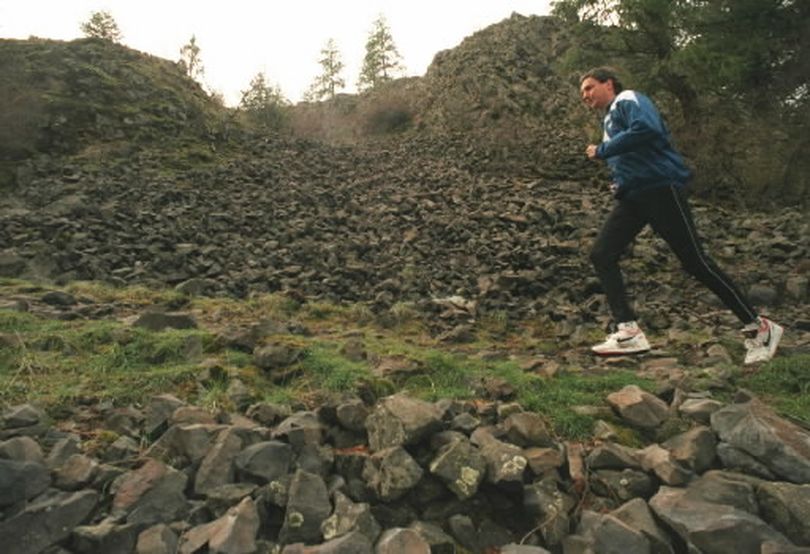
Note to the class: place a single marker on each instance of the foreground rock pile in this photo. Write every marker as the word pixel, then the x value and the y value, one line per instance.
pixel 402 475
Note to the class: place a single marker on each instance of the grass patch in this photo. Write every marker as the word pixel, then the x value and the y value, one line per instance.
pixel 444 376
pixel 136 295
pixel 326 368
pixel 783 383
pixel 555 398
pixel 57 362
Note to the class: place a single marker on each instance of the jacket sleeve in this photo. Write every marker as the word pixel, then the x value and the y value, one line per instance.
pixel 636 127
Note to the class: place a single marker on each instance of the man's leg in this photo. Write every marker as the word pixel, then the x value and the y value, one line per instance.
pixel 670 216
pixel 621 227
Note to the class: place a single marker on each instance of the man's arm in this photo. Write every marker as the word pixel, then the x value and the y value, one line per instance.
pixel 638 127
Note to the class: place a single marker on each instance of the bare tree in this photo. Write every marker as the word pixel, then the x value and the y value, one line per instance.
pixel 190 59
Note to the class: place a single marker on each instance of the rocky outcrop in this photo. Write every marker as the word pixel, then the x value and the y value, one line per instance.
pixel 383 227
pixel 312 483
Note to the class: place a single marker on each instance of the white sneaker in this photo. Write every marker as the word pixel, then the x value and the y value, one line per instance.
pixel 629 339
pixel 765 337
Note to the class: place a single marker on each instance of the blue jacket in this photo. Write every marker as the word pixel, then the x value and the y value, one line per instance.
pixel 636 145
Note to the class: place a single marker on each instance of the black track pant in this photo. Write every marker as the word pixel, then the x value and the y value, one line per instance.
pixel 666 210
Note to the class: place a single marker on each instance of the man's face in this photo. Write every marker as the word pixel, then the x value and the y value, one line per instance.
pixel 595 94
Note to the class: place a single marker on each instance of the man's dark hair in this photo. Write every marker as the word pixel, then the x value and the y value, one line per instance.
pixel 603 75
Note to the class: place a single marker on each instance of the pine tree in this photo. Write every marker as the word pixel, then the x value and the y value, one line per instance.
pixel 329 81
pixel 263 103
pixel 382 60
pixel 190 59
pixel 102 25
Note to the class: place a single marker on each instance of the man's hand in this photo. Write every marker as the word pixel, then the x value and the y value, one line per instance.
pixel 590 151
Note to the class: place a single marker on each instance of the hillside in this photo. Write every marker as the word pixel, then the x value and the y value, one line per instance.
pixel 203 328
pixel 63 97
pixel 437 212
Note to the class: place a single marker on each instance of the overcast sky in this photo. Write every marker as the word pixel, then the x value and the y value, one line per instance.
pixel 283 39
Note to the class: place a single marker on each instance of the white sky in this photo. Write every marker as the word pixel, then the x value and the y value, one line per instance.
pixel 283 39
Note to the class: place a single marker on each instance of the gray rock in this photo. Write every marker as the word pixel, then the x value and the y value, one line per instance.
pixel 158 539
pixel 399 420
pixel 217 467
pixel 460 466
pixel 151 494
pixel 268 414
pixel 544 503
pixel 526 429
pixel 183 445
pixel 220 499
pixel 781 446
pixel 391 473
pixel 787 508
pixel 21 481
pixel 47 521
pixel 190 415
pixel 797 287
pixel 59 298
pixel 316 458
pixel 22 449
pixel 661 462
pixel 738 460
pixel 696 449
pixel 610 535
pixel 276 356
pixel 762 294
pixel 63 449
pixel 352 543
pixel 21 416
pixel 123 448
pixel 439 541
pixel 722 487
pixel 197 286
pixel 299 429
pixel 11 263
pixel 77 472
pixel 123 421
pixel 712 528
pixel 623 485
pixel 158 412
pixel 235 532
pixel 464 532
pixel 522 549
pixel 264 461
pixel 542 460
pixel 107 537
pixel 699 409
pixel 398 540
pixel 307 508
pixel 506 463
pixel 639 408
pixel 636 513
pixel 349 516
pixel 352 415
pixel 613 456
pixel 159 321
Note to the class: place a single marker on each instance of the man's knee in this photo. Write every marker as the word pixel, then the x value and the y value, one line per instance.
pixel 601 256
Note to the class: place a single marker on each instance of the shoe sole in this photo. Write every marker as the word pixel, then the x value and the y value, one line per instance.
pixel 620 352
